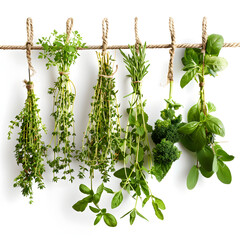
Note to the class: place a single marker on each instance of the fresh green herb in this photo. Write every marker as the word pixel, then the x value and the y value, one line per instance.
pixel 62 52
pixel 102 141
pixel 30 149
pixel 136 149
pixel 198 135
pixel 164 135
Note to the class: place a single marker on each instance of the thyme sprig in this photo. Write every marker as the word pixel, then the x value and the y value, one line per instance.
pixel 136 148
pixel 61 51
pixel 30 149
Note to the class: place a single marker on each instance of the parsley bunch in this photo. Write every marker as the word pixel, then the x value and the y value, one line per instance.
pixel 30 149
pixel 62 53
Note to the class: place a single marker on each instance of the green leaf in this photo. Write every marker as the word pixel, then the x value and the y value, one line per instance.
pixel 140 215
pixel 160 170
pixel 187 77
pixel 96 198
pixel 216 64
pixel 192 177
pixel 214 125
pixel 194 113
pixel 144 187
pixel 223 156
pixel 188 128
pixel 117 199
pixel 140 131
pixel 205 156
pixel 214 44
pixel 81 205
pixel 126 214
pixel 205 173
pixel 158 212
pixel 124 173
pixel 132 216
pixel 215 164
pixel 132 118
pixel 93 209
pixel 145 200
pixel 191 56
pixel 98 218
pixel 84 189
pixel 140 154
pixel 108 190
pixel 160 203
pixel 223 173
pixel 110 220
pixel 100 189
pixel 211 107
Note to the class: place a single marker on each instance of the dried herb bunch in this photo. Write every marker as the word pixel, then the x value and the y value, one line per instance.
pixel 30 149
pixel 60 50
pixel 136 148
pixel 102 140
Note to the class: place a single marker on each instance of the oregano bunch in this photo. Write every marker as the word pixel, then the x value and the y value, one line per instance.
pixel 136 148
pixel 199 134
pixel 102 139
pixel 30 150
pixel 61 51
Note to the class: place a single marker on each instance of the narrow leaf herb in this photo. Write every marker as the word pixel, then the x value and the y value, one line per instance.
pixel 61 51
pixel 198 135
pixel 30 149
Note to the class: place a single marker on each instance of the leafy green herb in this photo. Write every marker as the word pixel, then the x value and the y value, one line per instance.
pixel 135 147
pixel 62 53
pixel 102 141
pixel 198 135
pixel 30 149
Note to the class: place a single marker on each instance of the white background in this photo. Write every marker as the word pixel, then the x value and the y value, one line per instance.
pixel 212 209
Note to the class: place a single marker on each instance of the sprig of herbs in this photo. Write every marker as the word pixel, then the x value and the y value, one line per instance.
pixel 30 149
pixel 165 135
pixel 102 139
pixel 198 135
pixel 136 148
pixel 62 53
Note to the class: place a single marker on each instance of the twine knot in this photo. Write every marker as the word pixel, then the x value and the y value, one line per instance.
pixel 137 39
pixel 104 35
pixel 29 85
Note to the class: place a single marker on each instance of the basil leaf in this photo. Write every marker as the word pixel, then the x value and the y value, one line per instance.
pixel 205 156
pixel 216 64
pixel 124 173
pixel 191 56
pixel 223 156
pixel 158 212
pixel 205 173
pixel 188 128
pixel 214 44
pixel 194 113
pixel 98 218
pixel 187 77
pixel 110 220
pixel 223 173
pixel 192 177
pixel 132 216
pixel 81 205
pixel 211 107
pixel 117 199
pixel 160 203
pixel 108 190
pixel 93 209
pixel 84 189
pixel 214 125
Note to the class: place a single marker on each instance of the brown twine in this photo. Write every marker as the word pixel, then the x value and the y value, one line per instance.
pixel 29 44
pixel 137 39
pixel 69 25
pixel 110 76
pixel 63 73
pixel 104 35
pixel 29 85
pixel 201 84
pixel 172 50
pixel 204 35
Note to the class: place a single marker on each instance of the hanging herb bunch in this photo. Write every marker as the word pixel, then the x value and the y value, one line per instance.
pixel 61 51
pixel 102 141
pixel 199 134
pixel 165 133
pixel 136 149
pixel 30 150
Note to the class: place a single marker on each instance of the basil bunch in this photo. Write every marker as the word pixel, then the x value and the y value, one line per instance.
pixel 198 135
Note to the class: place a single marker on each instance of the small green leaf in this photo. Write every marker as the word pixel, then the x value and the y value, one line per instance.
pixel 140 215
pixel 96 198
pixel 140 154
pixel 126 214
pixel 223 173
pixel 158 212
pixel 100 189
pixel 98 218
pixel 81 205
pixel 93 209
pixel 84 189
pixel 144 187
pixel 223 156
pixel 194 113
pixel 123 173
pixel 214 125
pixel 188 128
pixel 205 156
pixel 140 131
pixel 192 177
pixel 108 190
pixel 214 44
pixel 211 107
pixel 145 200
pixel 160 203
pixel 117 199
pixel 132 216
pixel 110 220
pixel 205 173
pixel 187 77
pixel 132 118
pixel 215 164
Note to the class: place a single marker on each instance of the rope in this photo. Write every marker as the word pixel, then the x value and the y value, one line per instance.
pixel 104 35
pixel 204 35
pixel 137 39
pixel 69 25
pixel 172 50
pixel 29 85
pixel 29 45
